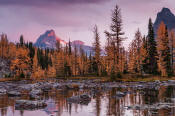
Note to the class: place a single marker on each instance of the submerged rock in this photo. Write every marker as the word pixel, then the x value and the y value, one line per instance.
pixel 14 93
pixel 29 105
pixel 156 106
pixel 82 99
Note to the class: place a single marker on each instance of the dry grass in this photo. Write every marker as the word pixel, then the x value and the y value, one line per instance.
pixel 147 78
pixel 125 78
pixel 8 79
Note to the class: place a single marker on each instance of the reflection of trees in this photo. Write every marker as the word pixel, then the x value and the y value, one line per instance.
pixel 3 112
pixel 151 96
pixel 61 101
pixel 169 93
pixel 59 97
pixel 135 99
pixel 21 112
pixel 98 105
pixel 4 103
pixel 115 105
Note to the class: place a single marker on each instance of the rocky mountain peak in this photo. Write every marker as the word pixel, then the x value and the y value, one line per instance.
pixel 166 16
pixel 48 40
pixel 50 33
pixel 166 13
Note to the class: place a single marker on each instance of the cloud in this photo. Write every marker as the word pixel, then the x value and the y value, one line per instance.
pixel 140 1
pixel 49 2
pixel 75 18
pixel 69 18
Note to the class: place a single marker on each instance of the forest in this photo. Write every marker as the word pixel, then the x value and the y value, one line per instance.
pixel 150 54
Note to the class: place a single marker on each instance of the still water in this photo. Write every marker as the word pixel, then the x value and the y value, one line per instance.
pixel 103 103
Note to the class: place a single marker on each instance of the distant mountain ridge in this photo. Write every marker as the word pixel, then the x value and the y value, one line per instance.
pixel 167 17
pixel 49 39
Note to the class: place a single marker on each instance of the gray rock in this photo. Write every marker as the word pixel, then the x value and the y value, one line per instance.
pixel 3 91
pixel 36 92
pixel 156 106
pixel 14 93
pixel 82 99
pixel 29 105
pixel 27 87
pixel 120 94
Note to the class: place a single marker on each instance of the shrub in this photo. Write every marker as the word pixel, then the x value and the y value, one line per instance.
pixel 119 75
pixel 22 75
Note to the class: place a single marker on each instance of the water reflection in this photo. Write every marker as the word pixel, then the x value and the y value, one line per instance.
pixel 103 103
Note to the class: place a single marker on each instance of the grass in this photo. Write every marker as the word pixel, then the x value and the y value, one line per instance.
pixel 125 78
pixel 8 79
pixel 11 79
pixel 146 78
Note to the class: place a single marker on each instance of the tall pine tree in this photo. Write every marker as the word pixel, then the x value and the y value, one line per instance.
pixel 152 51
pixel 97 50
pixel 115 37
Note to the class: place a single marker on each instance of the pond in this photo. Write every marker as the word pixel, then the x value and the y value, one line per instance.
pixel 109 99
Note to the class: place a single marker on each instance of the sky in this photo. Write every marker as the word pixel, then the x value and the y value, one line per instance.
pixel 75 19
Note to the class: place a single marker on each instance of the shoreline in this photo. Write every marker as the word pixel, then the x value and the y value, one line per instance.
pixel 125 78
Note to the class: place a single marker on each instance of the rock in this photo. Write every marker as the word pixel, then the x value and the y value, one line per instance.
pixel 27 87
pixel 14 93
pixel 46 88
pixel 142 92
pixel 82 99
pixel 3 91
pixel 120 94
pixel 171 81
pixel 33 96
pixel 29 105
pixel 157 82
pixel 156 106
pixel 56 85
pixel 36 92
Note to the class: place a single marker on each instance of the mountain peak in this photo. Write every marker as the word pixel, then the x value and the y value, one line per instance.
pixel 166 16
pixel 166 12
pixel 48 40
pixel 50 33
pixel 164 9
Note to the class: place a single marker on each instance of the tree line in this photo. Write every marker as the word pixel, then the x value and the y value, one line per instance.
pixel 148 54
pixel 152 54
